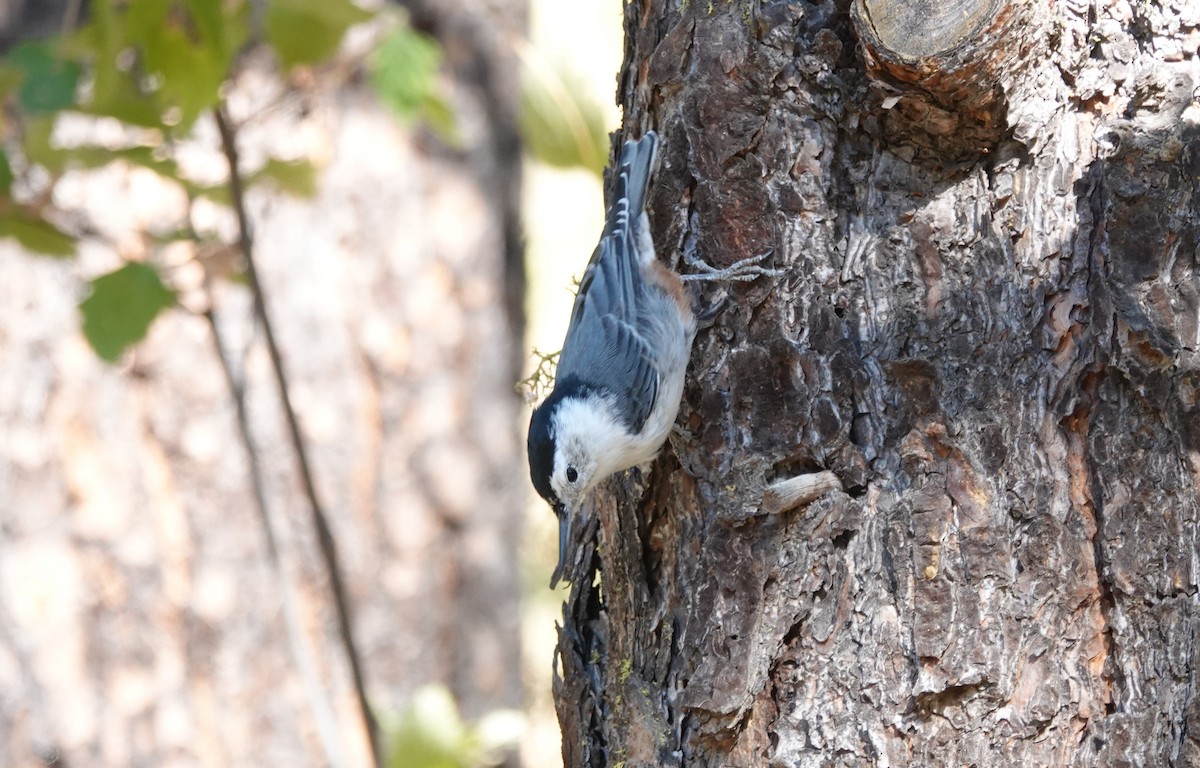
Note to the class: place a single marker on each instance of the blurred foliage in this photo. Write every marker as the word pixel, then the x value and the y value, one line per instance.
pixel 309 31
pixel 35 233
pixel 430 733
pixel 561 123
pixel 157 63
pixel 295 177
pixel 157 67
pixel 121 307
pixel 47 83
pixel 404 72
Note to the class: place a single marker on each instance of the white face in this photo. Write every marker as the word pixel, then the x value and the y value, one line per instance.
pixel 589 446
pixel 573 472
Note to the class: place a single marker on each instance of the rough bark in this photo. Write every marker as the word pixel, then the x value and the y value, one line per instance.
pixel 139 621
pixel 988 333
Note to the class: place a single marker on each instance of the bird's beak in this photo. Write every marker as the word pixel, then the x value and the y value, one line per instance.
pixel 564 543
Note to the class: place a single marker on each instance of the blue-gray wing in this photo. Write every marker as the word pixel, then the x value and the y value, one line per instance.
pixel 604 346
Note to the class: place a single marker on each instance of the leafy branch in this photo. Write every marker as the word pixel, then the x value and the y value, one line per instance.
pixel 148 72
pixel 154 69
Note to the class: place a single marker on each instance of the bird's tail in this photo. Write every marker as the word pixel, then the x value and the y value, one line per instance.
pixel 633 172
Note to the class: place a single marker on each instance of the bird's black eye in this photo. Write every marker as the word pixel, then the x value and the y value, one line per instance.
pixel 572 475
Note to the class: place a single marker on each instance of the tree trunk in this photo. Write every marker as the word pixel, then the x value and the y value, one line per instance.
pixel 987 332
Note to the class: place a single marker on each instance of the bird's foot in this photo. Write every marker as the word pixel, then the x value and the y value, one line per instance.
pixel 740 272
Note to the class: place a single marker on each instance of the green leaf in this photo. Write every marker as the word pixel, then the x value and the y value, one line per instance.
pixel 101 42
pixel 37 146
pixel 6 174
pixel 124 101
pixel 297 177
pixel 438 116
pixel 403 70
pixel 191 73
pixel 104 42
pixel 217 193
pixel 147 157
pixel 184 51
pixel 36 235
pixel 430 733
pixel 144 18
pixel 560 125
pixel 97 157
pixel 211 22
pixel 225 24
pixel 49 80
pixel 121 307
pixel 11 79
pixel 191 50
pixel 309 31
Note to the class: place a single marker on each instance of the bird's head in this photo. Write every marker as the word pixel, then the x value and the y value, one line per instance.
pixel 573 439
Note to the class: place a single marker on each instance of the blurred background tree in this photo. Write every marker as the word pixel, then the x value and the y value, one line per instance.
pixel 283 488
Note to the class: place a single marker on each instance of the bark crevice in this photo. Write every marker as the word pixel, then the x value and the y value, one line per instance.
pixel 952 343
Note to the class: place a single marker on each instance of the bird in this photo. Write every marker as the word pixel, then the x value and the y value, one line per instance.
pixel 621 371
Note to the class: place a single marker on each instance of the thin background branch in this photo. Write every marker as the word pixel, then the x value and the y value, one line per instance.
pixel 302 651
pixel 325 540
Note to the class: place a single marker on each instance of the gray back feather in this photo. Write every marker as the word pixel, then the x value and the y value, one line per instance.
pixel 606 345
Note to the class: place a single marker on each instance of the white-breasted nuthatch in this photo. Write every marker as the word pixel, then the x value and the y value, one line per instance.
pixel 621 370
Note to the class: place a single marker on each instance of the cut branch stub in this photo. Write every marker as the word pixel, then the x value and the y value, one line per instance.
pixel 947 67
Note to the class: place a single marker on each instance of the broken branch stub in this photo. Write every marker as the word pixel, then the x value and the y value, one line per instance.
pixel 947 69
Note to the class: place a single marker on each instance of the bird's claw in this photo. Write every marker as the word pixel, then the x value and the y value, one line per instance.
pixel 739 272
